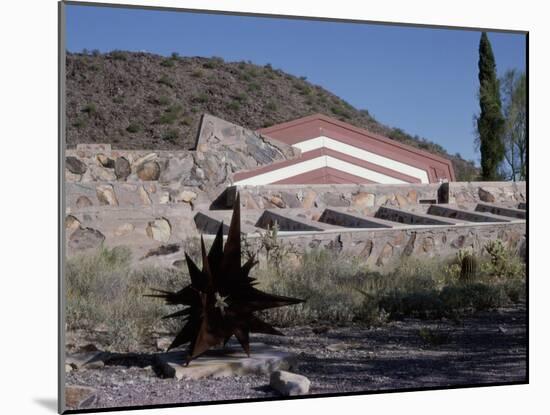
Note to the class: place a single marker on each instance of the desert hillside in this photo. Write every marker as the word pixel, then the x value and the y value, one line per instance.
pixel 139 100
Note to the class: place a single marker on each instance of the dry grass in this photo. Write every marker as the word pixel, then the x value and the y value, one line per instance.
pixel 342 289
pixel 103 290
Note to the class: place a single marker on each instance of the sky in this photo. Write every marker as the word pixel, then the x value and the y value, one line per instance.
pixel 421 80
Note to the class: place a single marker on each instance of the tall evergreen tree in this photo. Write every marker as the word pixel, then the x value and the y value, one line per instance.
pixel 490 123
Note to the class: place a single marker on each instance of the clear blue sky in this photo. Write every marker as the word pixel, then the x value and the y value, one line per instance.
pixel 423 81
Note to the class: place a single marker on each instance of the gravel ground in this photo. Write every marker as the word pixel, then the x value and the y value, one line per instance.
pixel 485 348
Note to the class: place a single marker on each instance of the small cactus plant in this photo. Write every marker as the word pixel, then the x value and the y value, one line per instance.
pixel 468 268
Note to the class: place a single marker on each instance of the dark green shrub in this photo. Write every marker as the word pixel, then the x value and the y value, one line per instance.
pixel 233 106
pixel 337 110
pixel 421 304
pixel 133 128
pixel 167 63
pixel 79 123
pixel 89 109
pixel 200 99
pixel 119 55
pixel 170 115
pixel 271 106
pixel 162 100
pixel 254 86
pixel 474 297
pixel 170 136
pixel 240 97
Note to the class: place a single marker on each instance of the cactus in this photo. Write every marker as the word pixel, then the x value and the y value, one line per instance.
pixel 468 268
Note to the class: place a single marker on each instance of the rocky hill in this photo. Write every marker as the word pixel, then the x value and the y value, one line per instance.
pixel 137 100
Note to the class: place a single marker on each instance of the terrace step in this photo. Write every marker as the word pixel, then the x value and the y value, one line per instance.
pixel 208 222
pixel 411 218
pixel 465 215
pixel 501 210
pixel 288 223
pixel 347 219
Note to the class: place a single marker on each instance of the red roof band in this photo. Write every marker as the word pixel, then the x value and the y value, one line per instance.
pixel 334 152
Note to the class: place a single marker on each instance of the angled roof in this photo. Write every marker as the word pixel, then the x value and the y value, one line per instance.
pixel 345 154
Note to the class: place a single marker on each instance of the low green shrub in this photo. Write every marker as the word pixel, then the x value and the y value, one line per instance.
pixel 170 136
pixel 167 63
pixel 164 80
pixel 119 55
pixel 170 115
pixel 89 109
pixel 133 128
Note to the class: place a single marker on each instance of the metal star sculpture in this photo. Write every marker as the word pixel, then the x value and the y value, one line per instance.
pixel 221 299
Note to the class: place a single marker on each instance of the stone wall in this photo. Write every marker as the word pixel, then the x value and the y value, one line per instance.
pixel 384 247
pixel 491 192
pixel 365 198
pixel 168 176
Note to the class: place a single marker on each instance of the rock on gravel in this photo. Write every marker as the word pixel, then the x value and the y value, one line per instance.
pixel 79 396
pixel 289 384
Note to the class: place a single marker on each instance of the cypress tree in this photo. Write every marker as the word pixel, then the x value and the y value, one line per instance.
pixel 490 123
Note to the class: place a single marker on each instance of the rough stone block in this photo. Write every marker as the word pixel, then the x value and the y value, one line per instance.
pixel 231 361
pixel 289 384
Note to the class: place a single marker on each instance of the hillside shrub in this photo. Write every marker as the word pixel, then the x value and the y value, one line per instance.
pixel 165 80
pixel 170 136
pixel 90 109
pixel 119 55
pixel 170 115
pixel 197 73
pixel 167 63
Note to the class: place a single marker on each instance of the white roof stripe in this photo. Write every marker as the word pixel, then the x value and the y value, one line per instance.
pixel 330 143
pixel 316 163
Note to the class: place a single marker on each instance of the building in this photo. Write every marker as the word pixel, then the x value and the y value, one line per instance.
pixel 335 152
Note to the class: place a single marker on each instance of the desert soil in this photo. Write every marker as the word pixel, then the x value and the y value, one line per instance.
pixel 485 348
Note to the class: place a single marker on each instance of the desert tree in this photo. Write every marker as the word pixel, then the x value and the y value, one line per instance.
pixel 514 94
pixel 490 122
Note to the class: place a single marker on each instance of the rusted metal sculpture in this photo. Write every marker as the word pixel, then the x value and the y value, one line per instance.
pixel 221 299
